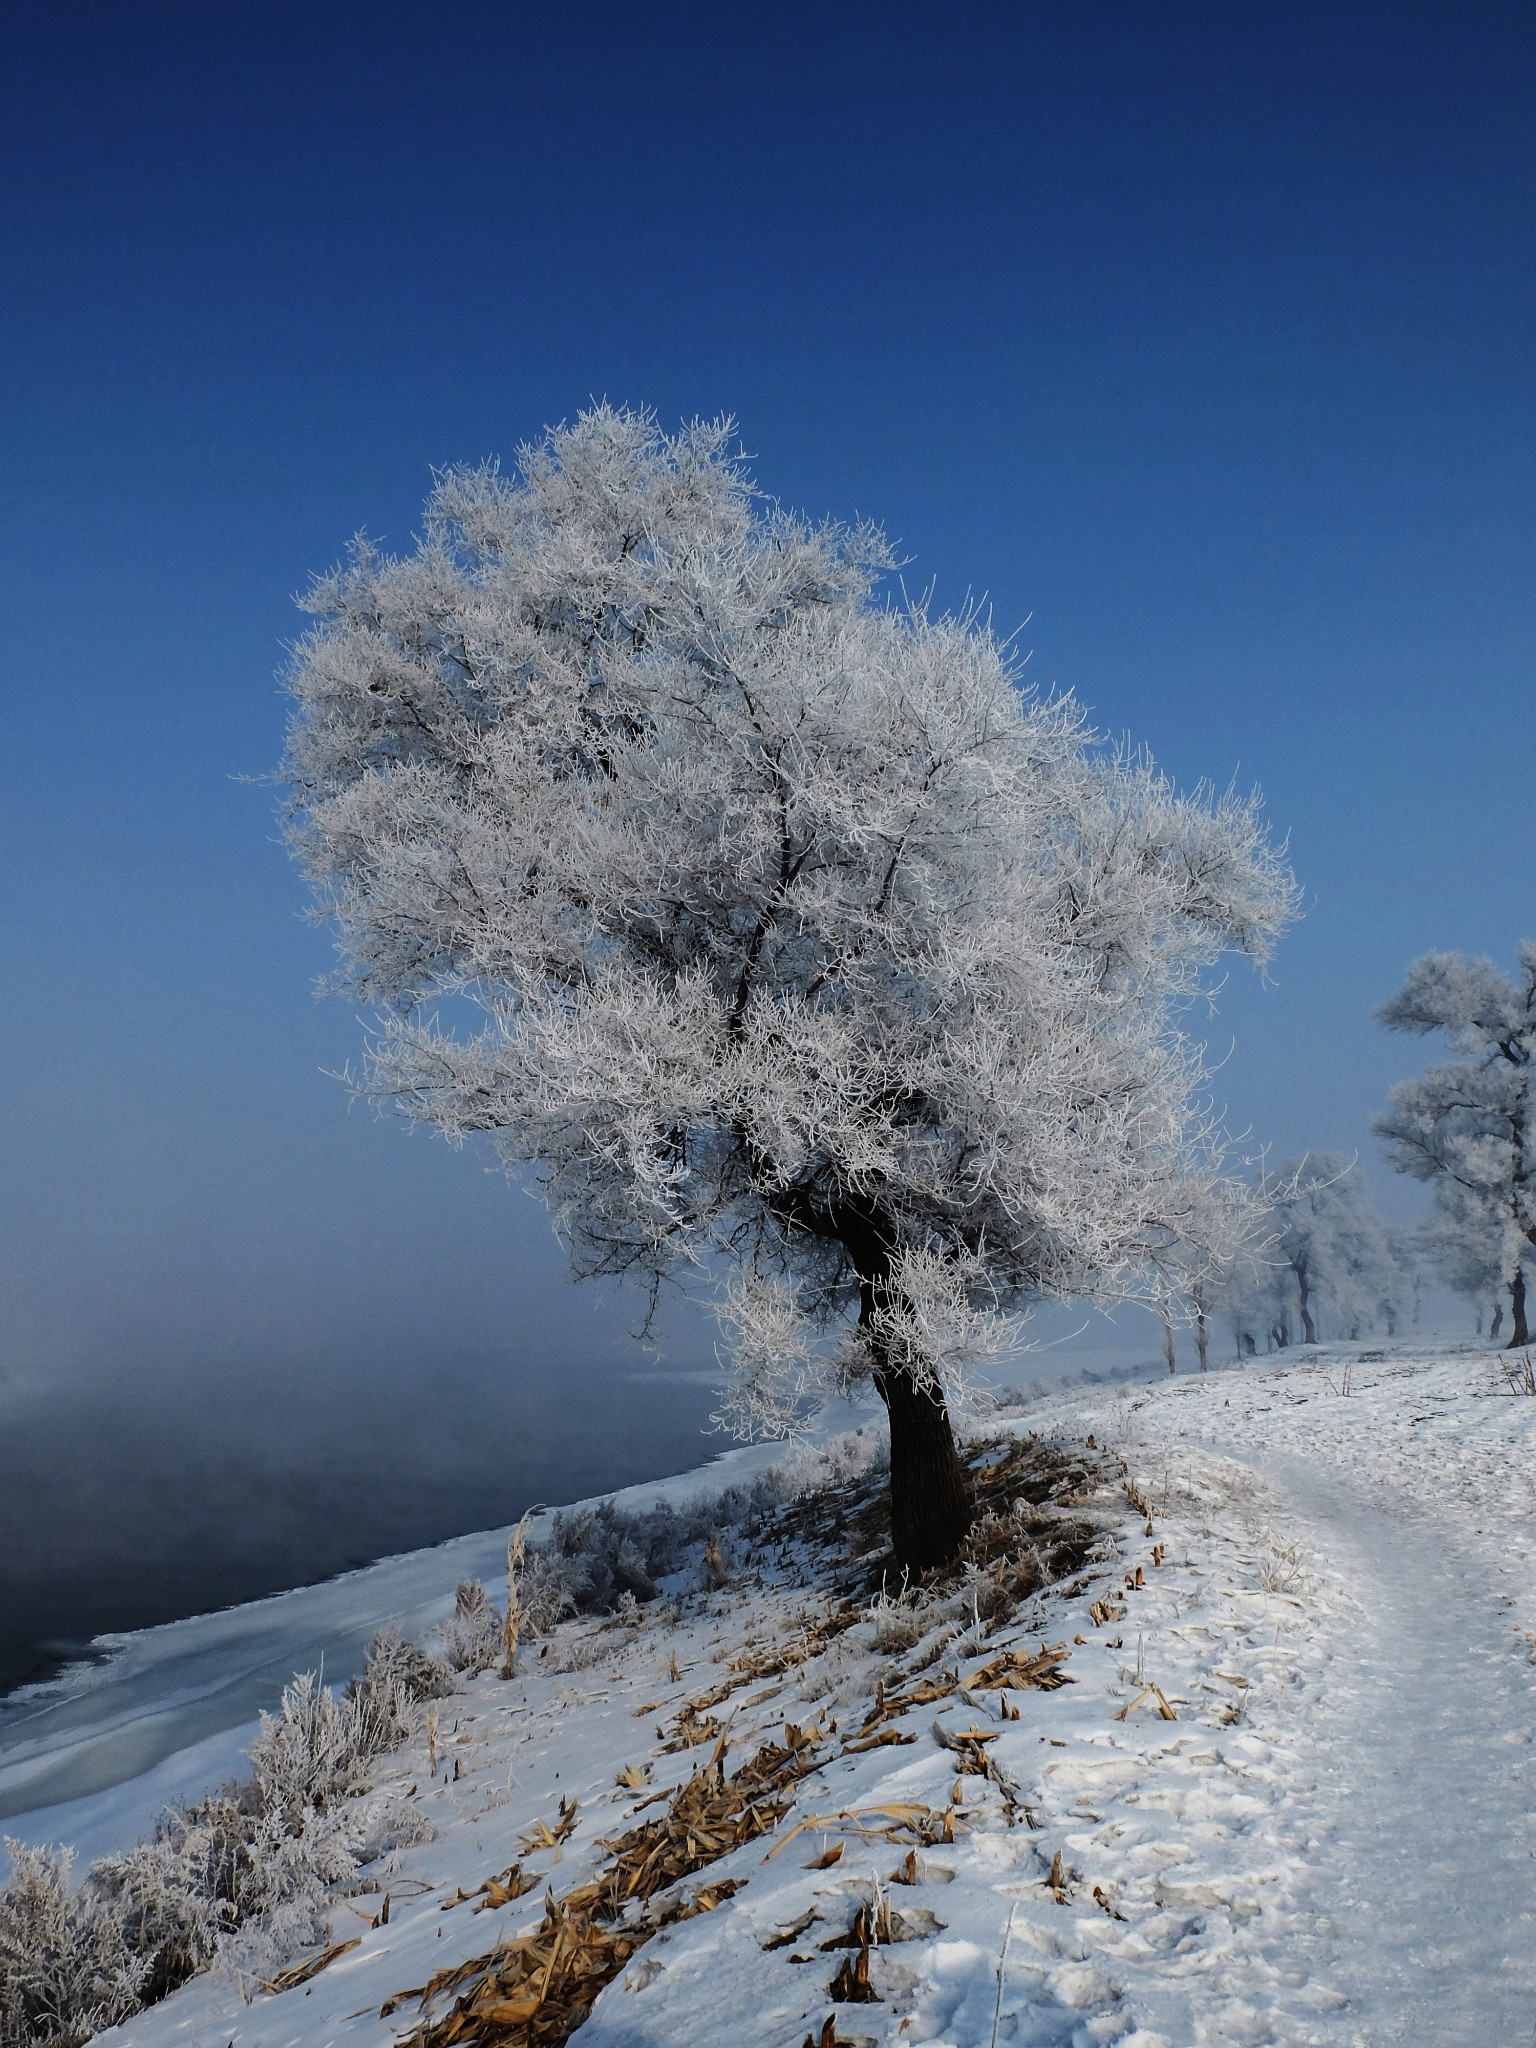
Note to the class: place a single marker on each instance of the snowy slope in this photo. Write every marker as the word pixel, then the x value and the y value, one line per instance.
pixel 1329 1841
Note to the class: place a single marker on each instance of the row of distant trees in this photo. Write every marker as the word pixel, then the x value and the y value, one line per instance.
pixel 1326 1265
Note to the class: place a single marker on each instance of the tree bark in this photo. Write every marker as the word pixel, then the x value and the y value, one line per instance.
pixel 1200 1336
pixel 931 1509
pixel 930 1494
pixel 1520 1334
pixel 1168 1350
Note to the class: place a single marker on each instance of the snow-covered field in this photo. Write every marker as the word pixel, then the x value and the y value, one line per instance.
pixel 1285 1798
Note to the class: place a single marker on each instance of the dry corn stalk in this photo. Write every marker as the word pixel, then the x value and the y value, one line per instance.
pixel 512 1627
pixel 1148 1692
pixel 851 1985
pixel 534 1992
pixel 926 1822
pixel 501 1890
pixel 969 1744
pixel 542 1836
pixel 1014 1669
pixel 888 1705
pixel 300 1973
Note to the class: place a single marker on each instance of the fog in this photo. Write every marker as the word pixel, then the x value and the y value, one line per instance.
pixel 139 1496
pixel 241 1355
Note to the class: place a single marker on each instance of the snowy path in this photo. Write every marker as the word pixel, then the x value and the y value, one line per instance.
pixel 1424 1794
pixel 1401 1701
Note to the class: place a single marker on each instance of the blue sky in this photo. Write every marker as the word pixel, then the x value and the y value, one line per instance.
pixel 1199 337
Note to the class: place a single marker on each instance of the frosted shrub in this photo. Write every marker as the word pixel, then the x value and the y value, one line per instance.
pixel 856 1454
pixel 262 1947
pixel 897 1625
pixel 171 1916
pixel 211 1843
pixel 241 1880
pixel 397 1676
pixel 473 1636
pixel 310 1752
pixel 544 1594
pixel 65 1967
pixel 599 1559
pixel 292 1873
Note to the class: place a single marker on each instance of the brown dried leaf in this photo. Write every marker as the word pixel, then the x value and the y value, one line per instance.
pixel 300 1973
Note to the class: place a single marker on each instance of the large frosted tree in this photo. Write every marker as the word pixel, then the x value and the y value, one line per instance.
pixel 1469 1125
pixel 771 927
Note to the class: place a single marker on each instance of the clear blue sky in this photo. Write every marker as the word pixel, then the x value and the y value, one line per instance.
pixel 1199 335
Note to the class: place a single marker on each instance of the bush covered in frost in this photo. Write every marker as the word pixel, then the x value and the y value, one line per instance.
pixel 66 1969
pixel 598 1556
pixel 241 1879
pixel 473 1638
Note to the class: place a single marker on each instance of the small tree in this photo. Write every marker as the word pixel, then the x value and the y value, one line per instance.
pixel 807 949
pixel 1471 1122
pixel 1401 1296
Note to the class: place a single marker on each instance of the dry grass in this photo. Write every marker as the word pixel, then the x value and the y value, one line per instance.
pixel 535 1991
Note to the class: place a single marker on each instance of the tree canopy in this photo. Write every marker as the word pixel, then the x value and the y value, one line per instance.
pixel 770 923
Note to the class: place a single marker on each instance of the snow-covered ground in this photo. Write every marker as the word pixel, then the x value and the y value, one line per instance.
pixel 1286 1798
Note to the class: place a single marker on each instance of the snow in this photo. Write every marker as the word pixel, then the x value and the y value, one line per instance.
pixel 1330 1843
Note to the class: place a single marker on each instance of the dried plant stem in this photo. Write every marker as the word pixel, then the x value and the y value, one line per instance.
pixel 512 1628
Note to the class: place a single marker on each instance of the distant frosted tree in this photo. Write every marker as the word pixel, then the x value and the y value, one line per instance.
pixel 1399 1301
pixel 1468 1246
pixel 1471 1122
pixel 1258 1297
pixel 1329 1238
pixel 806 949
pixel 1199 1289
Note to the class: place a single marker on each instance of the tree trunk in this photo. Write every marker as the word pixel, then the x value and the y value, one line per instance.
pixel 1308 1327
pixel 931 1509
pixel 930 1493
pixel 1200 1336
pixel 1520 1334
pixel 1496 1324
pixel 1168 1350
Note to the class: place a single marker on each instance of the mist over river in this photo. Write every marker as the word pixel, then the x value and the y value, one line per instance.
pixel 132 1501
pixel 175 1488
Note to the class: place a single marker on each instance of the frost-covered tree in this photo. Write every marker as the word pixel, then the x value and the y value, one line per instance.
pixel 809 953
pixel 1466 1245
pixel 1331 1243
pixel 1471 1122
pixel 1400 1299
